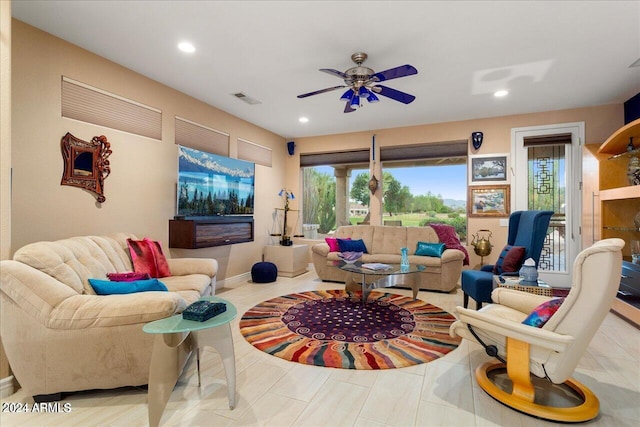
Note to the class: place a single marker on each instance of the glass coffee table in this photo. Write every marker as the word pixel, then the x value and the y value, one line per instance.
pixel 187 335
pixel 394 275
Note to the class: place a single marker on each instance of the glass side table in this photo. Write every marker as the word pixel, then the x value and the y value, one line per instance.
pixel 514 282
pixel 176 338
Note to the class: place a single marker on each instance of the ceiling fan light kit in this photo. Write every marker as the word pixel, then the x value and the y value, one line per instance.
pixel 362 83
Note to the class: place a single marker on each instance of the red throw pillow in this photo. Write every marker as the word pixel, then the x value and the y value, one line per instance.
pixel 509 260
pixel 447 235
pixel 162 265
pixel 513 261
pixel 142 257
pixel 147 257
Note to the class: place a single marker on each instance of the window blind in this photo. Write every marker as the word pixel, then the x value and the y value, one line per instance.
pixel 91 105
pixel 199 137
pixel 335 158
pixel 255 153
pixel 554 139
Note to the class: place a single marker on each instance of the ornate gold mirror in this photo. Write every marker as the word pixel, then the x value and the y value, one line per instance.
pixel 85 163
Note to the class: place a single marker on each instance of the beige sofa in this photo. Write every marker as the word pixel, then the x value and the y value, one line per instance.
pixel 59 336
pixel 383 245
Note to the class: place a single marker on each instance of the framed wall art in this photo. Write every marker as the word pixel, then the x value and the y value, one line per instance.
pixel 489 200
pixel 489 169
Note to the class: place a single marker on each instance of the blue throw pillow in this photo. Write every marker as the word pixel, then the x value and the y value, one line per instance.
pixel 107 287
pixel 352 246
pixel 430 249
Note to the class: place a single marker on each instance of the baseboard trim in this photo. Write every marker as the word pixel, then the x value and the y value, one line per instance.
pixel 6 386
pixel 234 282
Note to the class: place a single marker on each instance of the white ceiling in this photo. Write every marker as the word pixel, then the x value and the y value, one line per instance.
pixel 549 55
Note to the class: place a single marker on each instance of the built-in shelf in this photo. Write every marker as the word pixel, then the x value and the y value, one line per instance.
pixel 629 153
pixel 621 228
pixel 629 192
pixel 620 202
pixel 617 143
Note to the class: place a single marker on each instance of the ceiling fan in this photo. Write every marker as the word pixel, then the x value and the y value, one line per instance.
pixel 362 83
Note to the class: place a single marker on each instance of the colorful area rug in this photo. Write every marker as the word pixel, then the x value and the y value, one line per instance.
pixel 334 329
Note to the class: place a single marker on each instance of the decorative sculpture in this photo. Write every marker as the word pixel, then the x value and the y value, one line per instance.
pixel 85 163
pixel 373 184
pixel 286 195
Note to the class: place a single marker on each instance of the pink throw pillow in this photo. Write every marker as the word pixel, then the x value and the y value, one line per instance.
pixel 127 277
pixel 333 243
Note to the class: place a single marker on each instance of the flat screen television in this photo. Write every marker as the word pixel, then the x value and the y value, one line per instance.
pixel 209 184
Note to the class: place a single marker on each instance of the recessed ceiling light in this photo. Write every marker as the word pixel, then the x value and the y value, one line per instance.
pixel 186 47
pixel 501 93
pixel 303 119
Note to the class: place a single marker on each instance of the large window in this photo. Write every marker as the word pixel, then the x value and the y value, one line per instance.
pixel 319 200
pixel 416 193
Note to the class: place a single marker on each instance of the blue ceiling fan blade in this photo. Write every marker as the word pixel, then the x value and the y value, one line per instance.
pixel 394 73
pixel 334 73
pixel 329 89
pixel 348 108
pixel 397 95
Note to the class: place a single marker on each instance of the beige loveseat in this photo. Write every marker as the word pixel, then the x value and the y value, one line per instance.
pixel 59 336
pixel 383 245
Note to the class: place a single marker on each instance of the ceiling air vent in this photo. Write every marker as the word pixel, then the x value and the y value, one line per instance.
pixel 247 99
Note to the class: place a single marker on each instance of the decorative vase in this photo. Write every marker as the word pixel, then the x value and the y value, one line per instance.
pixel 528 272
pixel 633 171
pixel 404 261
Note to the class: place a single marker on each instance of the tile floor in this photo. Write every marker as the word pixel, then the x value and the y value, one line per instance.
pixel 275 392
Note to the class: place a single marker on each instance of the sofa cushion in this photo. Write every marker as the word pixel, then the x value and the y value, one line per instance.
pixel 388 240
pixel 107 287
pixel 430 249
pixel 190 282
pixel 73 261
pixel 348 245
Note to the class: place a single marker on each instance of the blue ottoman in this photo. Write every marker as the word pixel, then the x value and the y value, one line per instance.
pixel 264 272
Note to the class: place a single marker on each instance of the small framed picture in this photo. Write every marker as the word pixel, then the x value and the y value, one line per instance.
pixel 489 200
pixel 489 168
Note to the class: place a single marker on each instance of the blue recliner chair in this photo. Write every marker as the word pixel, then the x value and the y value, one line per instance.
pixel 526 228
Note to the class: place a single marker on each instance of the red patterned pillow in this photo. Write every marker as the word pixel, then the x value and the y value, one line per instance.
pixel 147 257
pixel 127 277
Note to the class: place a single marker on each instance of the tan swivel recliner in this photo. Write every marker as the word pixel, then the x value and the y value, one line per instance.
pixel 551 352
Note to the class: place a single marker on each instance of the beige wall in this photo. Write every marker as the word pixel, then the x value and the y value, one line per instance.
pixel 5 146
pixel 600 122
pixel 140 191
